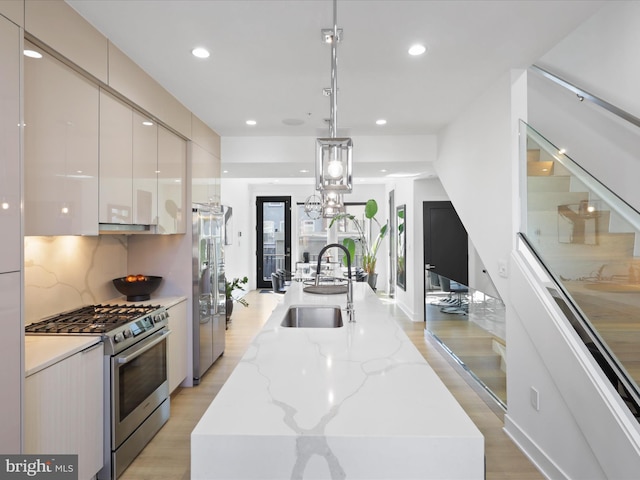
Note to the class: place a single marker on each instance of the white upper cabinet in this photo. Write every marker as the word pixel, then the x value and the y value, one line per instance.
pixel 116 160
pixel 61 149
pixel 10 258
pixel 145 170
pixel 205 175
pixel 63 29
pixel 205 163
pixel 128 164
pixel 131 81
pixel 172 168
pixel 13 10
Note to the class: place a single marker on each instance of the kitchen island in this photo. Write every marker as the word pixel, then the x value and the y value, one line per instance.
pixel 357 401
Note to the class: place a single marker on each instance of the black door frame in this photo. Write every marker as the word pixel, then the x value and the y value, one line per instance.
pixel 260 201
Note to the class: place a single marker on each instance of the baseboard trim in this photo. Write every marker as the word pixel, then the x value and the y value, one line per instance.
pixel 529 448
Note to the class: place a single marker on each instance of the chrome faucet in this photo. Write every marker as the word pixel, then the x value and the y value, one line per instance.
pixel 350 309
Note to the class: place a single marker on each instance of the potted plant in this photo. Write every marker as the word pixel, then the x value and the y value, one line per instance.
pixel 229 288
pixel 369 250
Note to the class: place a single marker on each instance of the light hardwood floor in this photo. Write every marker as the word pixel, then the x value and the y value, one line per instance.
pixel 168 455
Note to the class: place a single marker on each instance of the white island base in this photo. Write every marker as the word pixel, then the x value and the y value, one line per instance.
pixel 356 402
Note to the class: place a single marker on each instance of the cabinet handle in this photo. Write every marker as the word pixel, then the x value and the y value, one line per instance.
pixel 92 347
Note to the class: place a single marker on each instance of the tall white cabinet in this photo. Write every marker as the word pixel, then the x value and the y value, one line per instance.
pixel 61 149
pixel 12 338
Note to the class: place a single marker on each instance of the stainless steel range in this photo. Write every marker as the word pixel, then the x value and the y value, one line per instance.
pixel 135 373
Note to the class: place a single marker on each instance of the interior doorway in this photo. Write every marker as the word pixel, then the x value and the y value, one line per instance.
pixel 467 322
pixel 273 238
pixel 446 245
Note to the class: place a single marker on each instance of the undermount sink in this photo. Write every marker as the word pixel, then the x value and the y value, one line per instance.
pixel 312 316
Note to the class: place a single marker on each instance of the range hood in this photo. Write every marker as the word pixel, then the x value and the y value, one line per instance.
pixel 125 229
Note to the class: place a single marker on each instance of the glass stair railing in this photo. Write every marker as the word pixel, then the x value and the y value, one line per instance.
pixel 587 238
pixel 471 327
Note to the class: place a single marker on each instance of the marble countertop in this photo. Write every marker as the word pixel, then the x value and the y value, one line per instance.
pixel 358 401
pixel 42 351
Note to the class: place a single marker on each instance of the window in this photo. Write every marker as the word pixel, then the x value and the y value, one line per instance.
pixel 312 233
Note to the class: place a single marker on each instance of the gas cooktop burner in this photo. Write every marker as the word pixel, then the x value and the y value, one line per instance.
pixel 92 319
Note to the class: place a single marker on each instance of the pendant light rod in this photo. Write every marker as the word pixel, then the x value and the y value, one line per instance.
pixel 333 122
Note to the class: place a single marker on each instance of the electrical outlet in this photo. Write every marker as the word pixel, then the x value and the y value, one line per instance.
pixel 502 268
pixel 535 399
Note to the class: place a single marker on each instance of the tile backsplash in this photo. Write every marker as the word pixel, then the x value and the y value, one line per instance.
pixel 62 273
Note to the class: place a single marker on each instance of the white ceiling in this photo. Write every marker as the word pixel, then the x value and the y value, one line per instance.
pixel 268 62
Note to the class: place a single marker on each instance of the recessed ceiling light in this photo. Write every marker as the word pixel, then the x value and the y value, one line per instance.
pixel 32 54
pixel 147 123
pixel 200 52
pixel 304 171
pixel 381 121
pixel 417 49
pixel 251 122
pixel 225 171
pixel 384 170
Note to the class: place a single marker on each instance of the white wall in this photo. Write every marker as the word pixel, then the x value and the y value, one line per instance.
pixel 600 57
pixel 412 193
pixel 477 158
pixel 404 195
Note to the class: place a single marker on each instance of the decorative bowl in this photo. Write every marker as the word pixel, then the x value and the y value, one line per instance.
pixel 137 287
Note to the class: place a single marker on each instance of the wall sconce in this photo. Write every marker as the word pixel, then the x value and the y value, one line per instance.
pixel 334 165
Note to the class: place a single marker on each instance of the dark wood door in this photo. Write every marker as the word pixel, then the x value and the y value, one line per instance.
pixel 446 247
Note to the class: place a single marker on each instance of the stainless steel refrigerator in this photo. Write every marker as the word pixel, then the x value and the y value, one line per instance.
pixel 208 287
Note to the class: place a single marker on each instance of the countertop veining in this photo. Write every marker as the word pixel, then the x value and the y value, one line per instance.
pixel 357 401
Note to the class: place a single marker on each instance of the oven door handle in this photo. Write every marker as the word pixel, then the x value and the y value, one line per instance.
pixel 163 334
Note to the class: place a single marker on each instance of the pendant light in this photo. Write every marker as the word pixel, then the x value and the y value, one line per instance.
pixel 334 161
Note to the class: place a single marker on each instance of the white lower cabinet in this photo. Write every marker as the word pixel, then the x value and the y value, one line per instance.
pixel 64 410
pixel 177 345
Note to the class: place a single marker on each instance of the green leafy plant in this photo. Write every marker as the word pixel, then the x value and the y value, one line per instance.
pixel 369 251
pixel 236 284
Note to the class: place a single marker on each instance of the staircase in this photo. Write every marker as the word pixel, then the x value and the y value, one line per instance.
pixel 605 249
pixel 592 250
